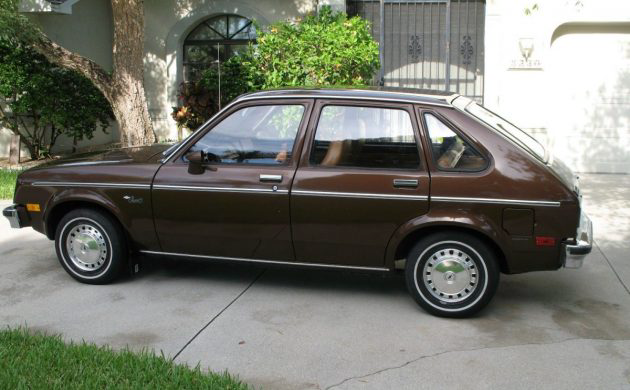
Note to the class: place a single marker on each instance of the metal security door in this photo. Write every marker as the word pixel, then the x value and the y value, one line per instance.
pixel 428 44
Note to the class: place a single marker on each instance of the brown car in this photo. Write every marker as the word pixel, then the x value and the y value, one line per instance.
pixel 351 179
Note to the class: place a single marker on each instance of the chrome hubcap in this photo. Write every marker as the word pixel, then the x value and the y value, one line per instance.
pixel 86 247
pixel 450 275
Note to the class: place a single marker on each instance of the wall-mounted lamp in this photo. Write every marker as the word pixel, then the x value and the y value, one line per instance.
pixel 527 47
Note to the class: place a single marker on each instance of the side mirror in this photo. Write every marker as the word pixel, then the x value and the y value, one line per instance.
pixel 195 162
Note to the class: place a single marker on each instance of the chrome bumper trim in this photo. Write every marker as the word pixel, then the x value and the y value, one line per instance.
pixel 12 214
pixel 574 252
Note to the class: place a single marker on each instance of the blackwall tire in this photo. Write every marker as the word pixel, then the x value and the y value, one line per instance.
pixel 452 274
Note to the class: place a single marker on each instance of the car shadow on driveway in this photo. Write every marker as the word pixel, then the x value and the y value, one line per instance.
pixel 526 307
pixel 279 276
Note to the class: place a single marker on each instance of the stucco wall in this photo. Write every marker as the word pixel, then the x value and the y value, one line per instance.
pixel 531 97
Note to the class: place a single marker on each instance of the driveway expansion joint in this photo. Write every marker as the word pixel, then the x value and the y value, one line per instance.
pixel 382 370
pixel 612 267
pixel 219 314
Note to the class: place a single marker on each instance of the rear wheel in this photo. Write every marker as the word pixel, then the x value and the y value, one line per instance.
pixel 452 274
pixel 91 246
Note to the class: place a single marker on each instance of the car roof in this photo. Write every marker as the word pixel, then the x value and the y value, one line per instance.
pixel 406 95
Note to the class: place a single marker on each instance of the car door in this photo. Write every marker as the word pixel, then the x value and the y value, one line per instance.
pixel 239 206
pixel 362 174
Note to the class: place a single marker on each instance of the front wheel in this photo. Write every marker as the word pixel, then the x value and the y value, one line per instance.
pixel 452 274
pixel 91 246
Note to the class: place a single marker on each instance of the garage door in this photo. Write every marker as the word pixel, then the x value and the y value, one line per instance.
pixel 590 75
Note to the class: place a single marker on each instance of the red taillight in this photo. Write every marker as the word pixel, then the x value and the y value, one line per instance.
pixel 545 241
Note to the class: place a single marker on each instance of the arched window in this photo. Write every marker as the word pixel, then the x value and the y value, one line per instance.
pixel 217 38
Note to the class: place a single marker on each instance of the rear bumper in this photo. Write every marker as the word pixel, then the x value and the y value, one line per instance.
pixel 575 250
pixel 17 216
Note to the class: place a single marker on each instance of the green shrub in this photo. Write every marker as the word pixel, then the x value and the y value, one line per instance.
pixel 321 50
pixel 40 101
pixel 8 178
pixel 325 49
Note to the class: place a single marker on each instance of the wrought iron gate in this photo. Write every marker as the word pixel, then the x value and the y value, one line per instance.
pixel 428 44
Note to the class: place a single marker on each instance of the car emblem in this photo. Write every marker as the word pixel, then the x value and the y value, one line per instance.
pixel 133 199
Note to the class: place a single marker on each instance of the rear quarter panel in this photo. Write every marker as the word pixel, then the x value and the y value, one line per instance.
pixel 512 174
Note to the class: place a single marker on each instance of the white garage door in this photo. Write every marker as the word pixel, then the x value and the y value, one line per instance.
pixel 590 78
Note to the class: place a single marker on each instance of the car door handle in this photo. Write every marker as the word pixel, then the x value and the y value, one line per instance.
pixel 405 183
pixel 271 178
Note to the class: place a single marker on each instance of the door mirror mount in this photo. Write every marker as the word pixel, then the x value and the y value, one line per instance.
pixel 196 162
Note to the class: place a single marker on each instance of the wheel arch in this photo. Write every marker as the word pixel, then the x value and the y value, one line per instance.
pixel 61 208
pixel 401 248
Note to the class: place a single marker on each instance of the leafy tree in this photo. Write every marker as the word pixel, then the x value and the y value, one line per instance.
pixel 41 101
pixel 123 87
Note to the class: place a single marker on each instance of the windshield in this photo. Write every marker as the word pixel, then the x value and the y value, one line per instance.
pixel 506 128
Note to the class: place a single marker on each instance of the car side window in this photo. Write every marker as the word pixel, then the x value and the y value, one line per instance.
pixel 365 137
pixel 450 151
pixel 253 135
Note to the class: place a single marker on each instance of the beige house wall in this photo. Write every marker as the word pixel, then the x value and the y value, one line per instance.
pixel 581 51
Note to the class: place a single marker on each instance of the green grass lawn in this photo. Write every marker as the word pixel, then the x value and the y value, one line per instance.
pixel 7 182
pixel 37 361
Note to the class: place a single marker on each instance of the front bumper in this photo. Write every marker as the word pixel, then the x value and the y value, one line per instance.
pixel 575 250
pixel 17 216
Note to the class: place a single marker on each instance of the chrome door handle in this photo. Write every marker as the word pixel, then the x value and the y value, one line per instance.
pixel 404 183
pixel 271 178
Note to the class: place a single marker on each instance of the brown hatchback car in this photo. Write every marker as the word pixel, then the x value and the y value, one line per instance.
pixel 327 178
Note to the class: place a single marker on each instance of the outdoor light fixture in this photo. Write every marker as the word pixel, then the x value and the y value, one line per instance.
pixel 527 47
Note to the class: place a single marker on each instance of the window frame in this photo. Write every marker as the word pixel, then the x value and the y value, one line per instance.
pixel 178 158
pixel 225 41
pixel 305 160
pixel 422 111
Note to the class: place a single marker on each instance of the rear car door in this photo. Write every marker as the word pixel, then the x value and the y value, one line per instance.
pixel 362 174
pixel 238 207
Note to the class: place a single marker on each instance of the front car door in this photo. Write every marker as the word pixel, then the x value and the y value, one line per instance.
pixel 362 174
pixel 238 207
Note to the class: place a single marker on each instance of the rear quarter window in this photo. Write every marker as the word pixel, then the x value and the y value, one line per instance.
pixel 450 151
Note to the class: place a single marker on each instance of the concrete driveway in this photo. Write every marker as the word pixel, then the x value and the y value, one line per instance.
pixel 287 328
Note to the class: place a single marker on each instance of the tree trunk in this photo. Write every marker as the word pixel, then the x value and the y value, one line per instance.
pixel 129 101
pixel 124 88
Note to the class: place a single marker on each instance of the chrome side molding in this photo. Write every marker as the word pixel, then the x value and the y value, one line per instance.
pixel 93 185
pixel 219 189
pixel 261 261
pixel 358 195
pixel 518 202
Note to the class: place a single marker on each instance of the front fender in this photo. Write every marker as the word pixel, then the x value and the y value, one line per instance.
pixel 135 216
pixel 83 195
